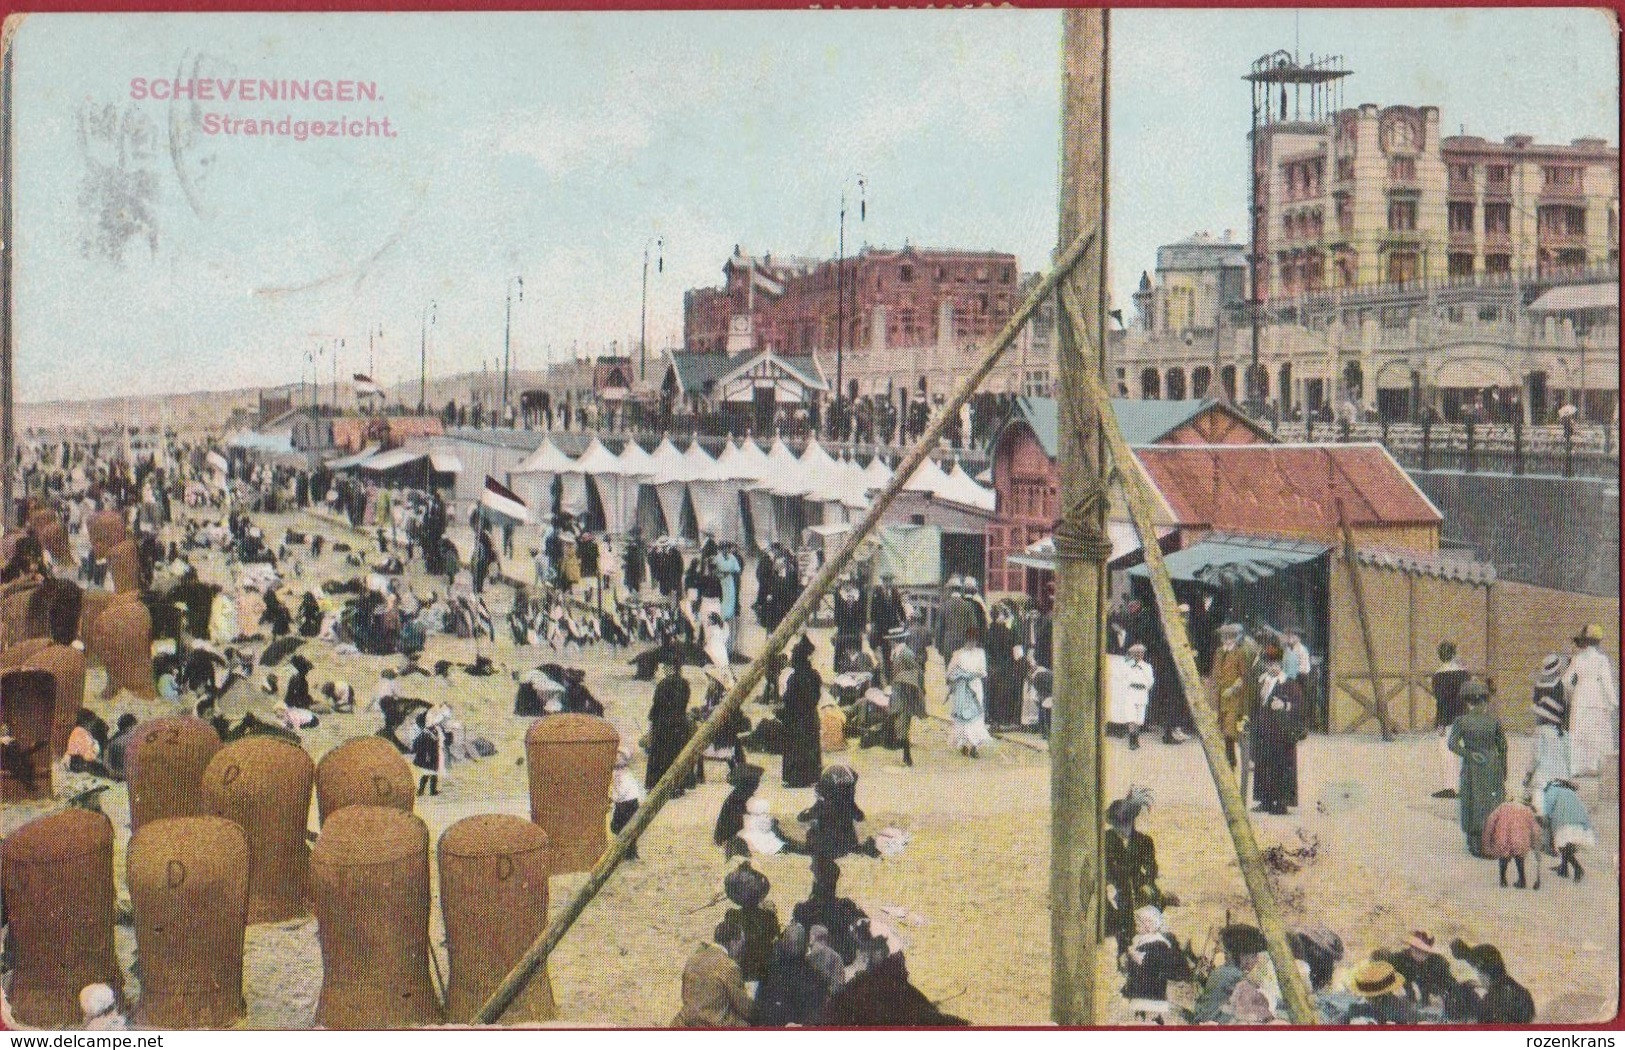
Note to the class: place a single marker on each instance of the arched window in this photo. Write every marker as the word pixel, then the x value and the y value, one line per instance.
pixel 1176 384
pixel 1201 379
pixel 1227 379
pixel 1150 385
pixel 1285 387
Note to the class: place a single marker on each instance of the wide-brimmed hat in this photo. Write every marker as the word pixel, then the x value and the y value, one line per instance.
pixel 1592 632
pixel 1422 941
pixel 746 886
pixel 1551 670
pixel 745 773
pixel 1241 939
pixel 1373 978
pixel 897 634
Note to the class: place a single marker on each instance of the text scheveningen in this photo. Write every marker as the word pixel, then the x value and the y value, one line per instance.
pixel 215 89
pixel 298 130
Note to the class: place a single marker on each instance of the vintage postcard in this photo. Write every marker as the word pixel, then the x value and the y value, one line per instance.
pixel 807 518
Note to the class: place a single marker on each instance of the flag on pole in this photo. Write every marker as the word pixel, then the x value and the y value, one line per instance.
pixel 503 503
pixel 365 387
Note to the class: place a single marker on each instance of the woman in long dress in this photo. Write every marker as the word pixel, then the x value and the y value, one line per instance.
pixel 1003 681
pixel 967 682
pixel 668 721
pixel 803 754
pixel 1277 727
pixel 1478 738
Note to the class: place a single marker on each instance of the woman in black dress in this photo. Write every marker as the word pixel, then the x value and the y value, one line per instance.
pixel 669 726
pixel 1003 681
pixel 1277 728
pixel 803 756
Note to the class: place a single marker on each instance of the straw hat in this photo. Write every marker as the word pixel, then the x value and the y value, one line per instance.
pixel 1422 941
pixel 1551 670
pixel 1375 978
pixel 1592 633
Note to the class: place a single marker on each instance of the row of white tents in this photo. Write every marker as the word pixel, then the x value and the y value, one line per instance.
pixel 745 495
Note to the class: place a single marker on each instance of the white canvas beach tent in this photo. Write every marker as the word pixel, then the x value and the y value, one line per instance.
pixel 877 475
pixel 929 479
pixel 962 488
pixel 532 479
pixel 617 491
pixel 666 475
pixel 777 462
pixel 714 493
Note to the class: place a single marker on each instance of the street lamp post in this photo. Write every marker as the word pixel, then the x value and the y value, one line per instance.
pixel 507 333
pixel 838 421
pixel 376 331
pixel 643 311
pixel 337 346
pixel 423 356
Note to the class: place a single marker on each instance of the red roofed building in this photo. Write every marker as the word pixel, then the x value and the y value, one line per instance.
pixel 1291 492
pixel 1027 480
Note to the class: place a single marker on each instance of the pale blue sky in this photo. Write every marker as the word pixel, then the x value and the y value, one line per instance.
pixel 553 145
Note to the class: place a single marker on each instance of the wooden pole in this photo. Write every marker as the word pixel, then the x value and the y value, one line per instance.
pixel 1378 708
pixel 535 956
pixel 1137 496
pixel 1081 545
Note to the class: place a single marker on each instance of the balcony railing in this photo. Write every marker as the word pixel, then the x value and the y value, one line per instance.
pixel 1551 238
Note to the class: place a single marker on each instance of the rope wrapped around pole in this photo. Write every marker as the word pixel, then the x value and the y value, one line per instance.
pixel 536 955
pixel 1293 989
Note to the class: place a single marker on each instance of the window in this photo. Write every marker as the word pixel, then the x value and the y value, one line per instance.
pixel 905 274
pixel 1498 264
pixel 1009 275
pixel 1402 269
pixel 1561 177
pixel 1402 169
pixel 942 273
pixel 981 303
pixel 1345 213
pixel 1561 222
pixel 1497 221
pixel 1345 169
pixel 1461 217
pixel 1462 173
pixel 1461 264
pixel 1498 176
pixel 1402 216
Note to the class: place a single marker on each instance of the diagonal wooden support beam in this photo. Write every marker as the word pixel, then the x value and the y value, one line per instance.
pixel 530 964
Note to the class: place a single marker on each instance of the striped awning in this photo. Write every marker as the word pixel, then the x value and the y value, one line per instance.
pixel 1222 560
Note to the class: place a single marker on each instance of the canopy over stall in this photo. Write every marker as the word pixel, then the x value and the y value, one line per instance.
pixel 1223 560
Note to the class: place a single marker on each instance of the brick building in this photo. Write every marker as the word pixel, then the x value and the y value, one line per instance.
pixel 911 315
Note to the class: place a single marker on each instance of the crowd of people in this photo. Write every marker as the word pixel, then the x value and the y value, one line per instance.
pixel 675 605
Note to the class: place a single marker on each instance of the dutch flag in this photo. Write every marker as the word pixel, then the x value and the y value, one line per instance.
pixel 503 503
